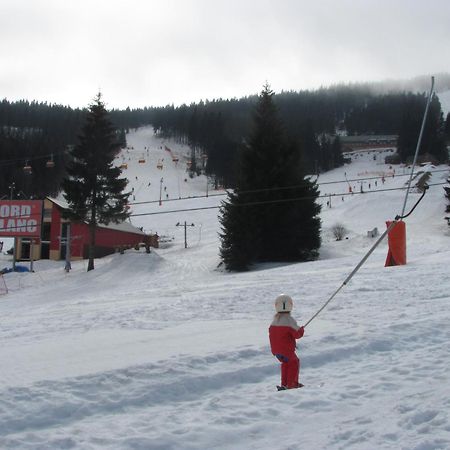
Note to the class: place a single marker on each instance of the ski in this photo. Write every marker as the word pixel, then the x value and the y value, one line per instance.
pixel 284 388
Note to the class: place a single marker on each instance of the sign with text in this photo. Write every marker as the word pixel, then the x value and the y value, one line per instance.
pixel 20 218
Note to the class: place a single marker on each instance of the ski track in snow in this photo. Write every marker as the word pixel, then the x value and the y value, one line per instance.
pixel 190 394
pixel 165 351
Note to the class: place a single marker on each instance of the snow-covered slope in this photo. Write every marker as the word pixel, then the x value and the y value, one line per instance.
pixel 165 351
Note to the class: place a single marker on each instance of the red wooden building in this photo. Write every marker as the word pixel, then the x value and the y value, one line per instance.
pixel 52 242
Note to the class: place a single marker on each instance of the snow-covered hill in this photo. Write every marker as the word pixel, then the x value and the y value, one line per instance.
pixel 166 351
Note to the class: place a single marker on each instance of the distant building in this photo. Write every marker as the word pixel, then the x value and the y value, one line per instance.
pixel 361 142
pixel 52 242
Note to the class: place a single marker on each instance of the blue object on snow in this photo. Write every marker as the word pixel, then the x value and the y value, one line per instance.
pixel 21 269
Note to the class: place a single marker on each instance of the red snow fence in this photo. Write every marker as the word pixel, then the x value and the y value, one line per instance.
pixel 397 245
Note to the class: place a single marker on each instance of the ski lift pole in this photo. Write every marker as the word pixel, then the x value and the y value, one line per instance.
pixel 394 222
pixel 68 265
pixel 364 259
pixel 31 255
pixel 419 141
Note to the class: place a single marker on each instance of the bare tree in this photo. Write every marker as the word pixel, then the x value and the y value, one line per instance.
pixel 339 231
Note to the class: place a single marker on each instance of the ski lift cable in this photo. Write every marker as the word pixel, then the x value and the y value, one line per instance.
pixel 366 256
pixel 9 228
pixel 419 140
pixel 392 224
pixel 284 188
pixel 12 161
pixel 266 202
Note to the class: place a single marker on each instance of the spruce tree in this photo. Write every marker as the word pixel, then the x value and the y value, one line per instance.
pixel 435 130
pixel 273 214
pixel 447 128
pixel 93 188
pixel 238 250
pixel 325 154
pixel 336 150
pixel 310 148
pixel 433 139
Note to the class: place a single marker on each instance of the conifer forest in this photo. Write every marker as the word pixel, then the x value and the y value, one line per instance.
pixel 36 138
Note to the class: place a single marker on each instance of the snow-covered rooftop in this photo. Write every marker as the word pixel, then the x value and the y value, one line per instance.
pixel 123 226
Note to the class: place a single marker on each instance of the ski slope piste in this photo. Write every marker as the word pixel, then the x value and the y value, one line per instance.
pixel 168 351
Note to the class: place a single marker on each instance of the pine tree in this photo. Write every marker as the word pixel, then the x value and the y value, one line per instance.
pixel 435 131
pixel 336 151
pixel 93 188
pixel 122 138
pixel 325 155
pixel 410 127
pixel 433 139
pixel 447 127
pixel 238 249
pixel 330 153
pixel 272 215
pixel 310 148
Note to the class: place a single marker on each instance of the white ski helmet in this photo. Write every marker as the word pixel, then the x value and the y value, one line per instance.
pixel 283 303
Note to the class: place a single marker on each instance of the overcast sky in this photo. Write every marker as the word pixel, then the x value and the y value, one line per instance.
pixel 158 52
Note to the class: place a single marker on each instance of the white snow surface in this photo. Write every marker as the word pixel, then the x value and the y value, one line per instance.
pixel 168 351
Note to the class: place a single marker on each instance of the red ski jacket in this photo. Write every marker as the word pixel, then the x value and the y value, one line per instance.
pixel 282 334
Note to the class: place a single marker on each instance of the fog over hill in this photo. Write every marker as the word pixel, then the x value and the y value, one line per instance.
pixel 420 83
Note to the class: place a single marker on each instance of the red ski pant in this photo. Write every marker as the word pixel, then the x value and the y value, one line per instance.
pixel 290 367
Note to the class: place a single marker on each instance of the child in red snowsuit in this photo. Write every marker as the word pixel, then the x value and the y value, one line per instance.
pixel 282 334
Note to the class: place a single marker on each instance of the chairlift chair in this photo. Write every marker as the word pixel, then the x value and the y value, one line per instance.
pixel 50 163
pixel 27 168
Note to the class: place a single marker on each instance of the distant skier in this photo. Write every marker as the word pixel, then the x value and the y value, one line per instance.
pixel 282 334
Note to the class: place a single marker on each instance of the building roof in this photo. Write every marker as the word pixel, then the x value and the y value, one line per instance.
pixel 125 226
pixel 369 138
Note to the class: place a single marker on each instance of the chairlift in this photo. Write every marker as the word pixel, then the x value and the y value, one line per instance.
pixel 50 163
pixel 27 168
pixel 142 160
